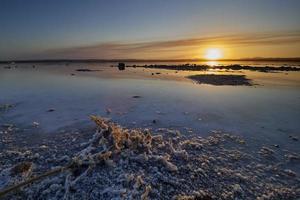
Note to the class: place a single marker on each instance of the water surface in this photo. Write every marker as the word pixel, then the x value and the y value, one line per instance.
pixel 262 113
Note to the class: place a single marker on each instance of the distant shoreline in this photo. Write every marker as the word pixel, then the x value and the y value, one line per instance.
pixel 204 67
pixel 297 59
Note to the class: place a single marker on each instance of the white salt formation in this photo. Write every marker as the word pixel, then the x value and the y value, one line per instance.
pixel 118 163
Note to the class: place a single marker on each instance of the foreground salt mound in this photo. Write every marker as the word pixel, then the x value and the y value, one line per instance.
pixel 118 163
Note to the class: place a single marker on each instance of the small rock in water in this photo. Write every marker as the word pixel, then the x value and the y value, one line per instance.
pixel 293 137
pixel 43 146
pixel 51 110
pixel 136 97
pixel 154 121
pixel 36 124
pixel 121 66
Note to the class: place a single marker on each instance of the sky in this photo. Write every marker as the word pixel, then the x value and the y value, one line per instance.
pixel 143 29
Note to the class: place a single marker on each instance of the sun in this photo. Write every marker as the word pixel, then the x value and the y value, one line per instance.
pixel 213 54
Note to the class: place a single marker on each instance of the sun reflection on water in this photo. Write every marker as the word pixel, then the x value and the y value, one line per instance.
pixel 212 63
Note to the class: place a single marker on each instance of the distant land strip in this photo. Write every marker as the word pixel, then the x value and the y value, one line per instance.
pixel 195 67
pixel 295 59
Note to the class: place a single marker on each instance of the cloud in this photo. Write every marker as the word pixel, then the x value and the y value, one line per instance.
pixel 173 48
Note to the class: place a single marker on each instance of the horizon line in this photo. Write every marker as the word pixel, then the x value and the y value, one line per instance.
pixel 288 59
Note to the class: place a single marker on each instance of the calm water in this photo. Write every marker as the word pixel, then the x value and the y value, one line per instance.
pixel 258 113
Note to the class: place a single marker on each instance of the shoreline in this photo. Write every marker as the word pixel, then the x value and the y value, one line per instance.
pixel 235 67
pixel 140 164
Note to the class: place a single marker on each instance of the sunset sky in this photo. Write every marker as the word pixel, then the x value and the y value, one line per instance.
pixel 143 29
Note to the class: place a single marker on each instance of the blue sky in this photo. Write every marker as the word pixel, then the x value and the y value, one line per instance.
pixel 37 28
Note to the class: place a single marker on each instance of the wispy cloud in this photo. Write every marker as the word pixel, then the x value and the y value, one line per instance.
pixel 173 48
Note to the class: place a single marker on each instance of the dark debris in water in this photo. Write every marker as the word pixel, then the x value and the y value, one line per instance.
pixel 87 70
pixel 5 107
pixel 51 110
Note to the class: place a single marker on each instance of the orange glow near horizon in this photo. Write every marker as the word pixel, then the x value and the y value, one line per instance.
pixel 213 54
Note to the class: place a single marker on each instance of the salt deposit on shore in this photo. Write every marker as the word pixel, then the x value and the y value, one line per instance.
pixel 118 163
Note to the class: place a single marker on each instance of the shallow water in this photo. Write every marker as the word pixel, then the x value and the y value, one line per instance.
pixel 261 113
